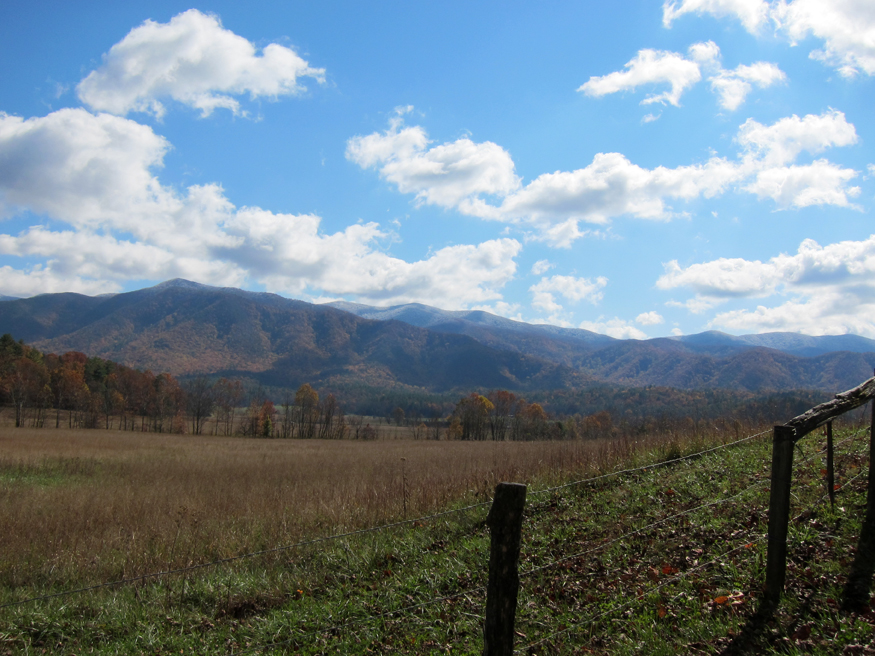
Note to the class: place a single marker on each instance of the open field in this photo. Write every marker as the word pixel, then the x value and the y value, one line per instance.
pixel 663 560
pixel 82 506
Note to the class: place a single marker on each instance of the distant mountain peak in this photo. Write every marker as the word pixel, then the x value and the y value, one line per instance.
pixel 181 283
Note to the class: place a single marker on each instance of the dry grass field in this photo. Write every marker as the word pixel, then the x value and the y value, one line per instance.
pixel 81 506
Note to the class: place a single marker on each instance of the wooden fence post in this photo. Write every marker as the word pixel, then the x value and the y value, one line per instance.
pixel 830 469
pixel 870 491
pixel 783 443
pixel 505 523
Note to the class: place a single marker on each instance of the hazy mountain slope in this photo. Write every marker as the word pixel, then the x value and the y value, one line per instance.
pixel 187 329
pixel 715 342
pixel 664 362
pixel 465 321
pixel 711 359
pixel 487 327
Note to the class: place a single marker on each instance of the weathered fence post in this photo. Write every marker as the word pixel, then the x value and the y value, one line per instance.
pixel 870 490
pixel 830 470
pixel 505 523
pixel 783 443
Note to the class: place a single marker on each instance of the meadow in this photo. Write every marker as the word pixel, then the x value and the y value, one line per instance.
pixel 80 506
pixel 662 556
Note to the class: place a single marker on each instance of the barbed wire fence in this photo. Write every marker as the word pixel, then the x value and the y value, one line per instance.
pixel 749 538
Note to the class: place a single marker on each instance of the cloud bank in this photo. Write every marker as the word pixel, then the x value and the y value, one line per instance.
pixel 96 175
pixel 831 289
pixel 478 179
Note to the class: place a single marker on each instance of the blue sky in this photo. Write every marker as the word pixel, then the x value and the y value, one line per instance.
pixel 639 169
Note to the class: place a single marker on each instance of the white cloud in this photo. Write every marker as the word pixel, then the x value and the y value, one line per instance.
pixel 82 168
pixel 649 319
pixel 768 150
pixel 649 67
pixel 655 66
pixel 192 60
pixel 448 175
pixel 832 288
pixel 554 204
pixel 784 140
pixel 722 278
pixel 823 315
pixel 573 289
pixel 846 27
pixel 698 304
pixel 615 327
pixel 733 86
pixel 818 183
pixel 541 266
pixel 96 175
pixel 44 280
pixel 752 13
pixel 613 186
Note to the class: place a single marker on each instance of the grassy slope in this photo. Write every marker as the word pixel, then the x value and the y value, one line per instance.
pixel 685 581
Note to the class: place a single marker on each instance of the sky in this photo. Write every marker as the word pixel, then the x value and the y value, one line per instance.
pixel 636 168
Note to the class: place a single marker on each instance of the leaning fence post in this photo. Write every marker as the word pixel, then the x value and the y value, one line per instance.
pixel 505 521
pixel 783 443
pixel 830 469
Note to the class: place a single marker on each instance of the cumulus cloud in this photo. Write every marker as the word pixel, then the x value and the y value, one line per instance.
pixel 846 27
pixel 832 288
pixel 541 266
pixel 469 177
pixel 615 327
pixel 752 13
pixel 818 183
pixel 733 86
pixel 96 174
pixel 649 319
pixel 784 140
pixel 572 289
pixel 194 61
pixel 723 278
pixel 649 67
pixel 448 175
pixel 613 186
pixel 98 167
pixel 681 73
pixel 41 279
pixel 770 148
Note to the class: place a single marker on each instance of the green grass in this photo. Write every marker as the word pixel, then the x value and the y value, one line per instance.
pixel 48 472
pixel 663 560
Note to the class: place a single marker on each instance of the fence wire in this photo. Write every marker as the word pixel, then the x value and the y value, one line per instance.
pixel 679 577
pixel 632 470
pixel 325 539
pixel 480 589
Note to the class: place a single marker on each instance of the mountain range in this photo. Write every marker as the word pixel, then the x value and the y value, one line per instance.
pixel 189 329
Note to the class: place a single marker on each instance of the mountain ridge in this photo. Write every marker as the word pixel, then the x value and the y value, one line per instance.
pixel 191 329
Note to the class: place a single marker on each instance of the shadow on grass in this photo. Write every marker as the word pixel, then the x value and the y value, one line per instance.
pixel 859 584
pixel 752 634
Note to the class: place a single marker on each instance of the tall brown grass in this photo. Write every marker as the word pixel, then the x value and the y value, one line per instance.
pixel 80 506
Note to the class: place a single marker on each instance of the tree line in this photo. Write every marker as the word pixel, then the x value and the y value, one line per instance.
pixel 89 392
